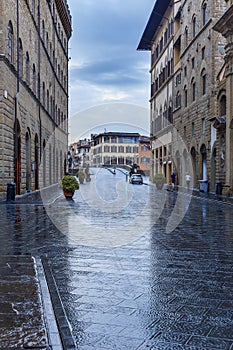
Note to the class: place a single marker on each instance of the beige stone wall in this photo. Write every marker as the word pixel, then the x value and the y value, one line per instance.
pixel 192 122
pixel 42 118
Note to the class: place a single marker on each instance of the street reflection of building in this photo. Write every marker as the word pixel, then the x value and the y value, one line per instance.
pixel 144 154
pixel 115 148
pixel 187 90
pixel 34 92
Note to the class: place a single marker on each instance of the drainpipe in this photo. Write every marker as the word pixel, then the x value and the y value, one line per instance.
pixel 16 97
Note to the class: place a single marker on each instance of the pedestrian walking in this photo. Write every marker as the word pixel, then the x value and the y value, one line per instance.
pixel 188 179
pixel 173 177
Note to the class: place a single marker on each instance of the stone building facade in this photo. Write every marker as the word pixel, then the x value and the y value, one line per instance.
pixel 196 144
pixel 34 37
pixel 162 61
pixel 224 118
pixel 200 58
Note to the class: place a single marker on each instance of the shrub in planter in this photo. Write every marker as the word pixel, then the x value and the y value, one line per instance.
pixel 69 184
pixel 159 179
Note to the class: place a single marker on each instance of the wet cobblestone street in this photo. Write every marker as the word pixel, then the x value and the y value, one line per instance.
pixel 136 268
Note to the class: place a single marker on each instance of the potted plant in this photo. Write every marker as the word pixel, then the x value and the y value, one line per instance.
pixel 81 176
pixel 159 179
pixel 69 185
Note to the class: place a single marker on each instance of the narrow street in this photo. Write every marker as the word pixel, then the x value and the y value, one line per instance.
pixel 136 268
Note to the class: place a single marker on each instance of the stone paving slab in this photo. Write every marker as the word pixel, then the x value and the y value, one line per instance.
pixel 26 313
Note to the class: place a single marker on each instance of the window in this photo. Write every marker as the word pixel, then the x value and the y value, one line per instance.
pixel 178 100
pixel 193 62
pixel 10 42
pixel 204 6
pixel 185 96
pixel 33 7
pixel 43 31
pixel 185 71
pixel 27 68
pixel 186 37
pixel 106 149
pixel 43 94
pixel 34 79
pixel 193 84
pixel 194 24
pixel 223 106
pixel 48 100
pixel 20 58
pixel 121 149
pixel 203 53
pixel 203 75
pixel 113 139
pixel 128 149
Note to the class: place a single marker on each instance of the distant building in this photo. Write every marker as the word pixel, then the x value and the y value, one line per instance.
pixel 34 39
pixel 144 154
pixel 115 148
pixel 81 153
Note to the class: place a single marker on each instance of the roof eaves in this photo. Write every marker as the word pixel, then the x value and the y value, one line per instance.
pixel 153 23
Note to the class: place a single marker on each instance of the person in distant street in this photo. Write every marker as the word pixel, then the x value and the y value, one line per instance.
pixel 173 177
pixel 187 179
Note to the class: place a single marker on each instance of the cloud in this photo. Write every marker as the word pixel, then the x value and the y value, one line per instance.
pixel 105 65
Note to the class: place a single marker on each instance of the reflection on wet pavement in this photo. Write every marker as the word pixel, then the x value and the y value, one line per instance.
pixel 154 290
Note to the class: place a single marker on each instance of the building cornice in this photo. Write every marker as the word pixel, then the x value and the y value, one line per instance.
pixel 225 24
pixel 65 16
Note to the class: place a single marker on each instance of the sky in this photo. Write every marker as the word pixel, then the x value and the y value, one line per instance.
pixel 109 80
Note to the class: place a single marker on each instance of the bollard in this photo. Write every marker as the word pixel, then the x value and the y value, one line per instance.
pixel 10 191
pixel 219 187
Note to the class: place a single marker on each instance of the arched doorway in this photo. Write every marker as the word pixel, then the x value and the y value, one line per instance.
pixel 213 167
pixel 203 162
pixel 194 163
pixel 17 157
pixel 36 168
pixel 44 163
pixel 178 167
pixel 28 160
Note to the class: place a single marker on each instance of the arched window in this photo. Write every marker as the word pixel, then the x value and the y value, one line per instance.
pixel 33 8
pixel 43 31
pixel 193 85
pixel 194 26
pixel 34 78
pixel 204 7
pixel 185 96
pixel 48 100
pixel 223 105
pixel 27 69
pixel 186 37
pixel 20 58
pixel 10 42
pixel 178 100
pixel 203 78
pixel 43 94
pixel 47 41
